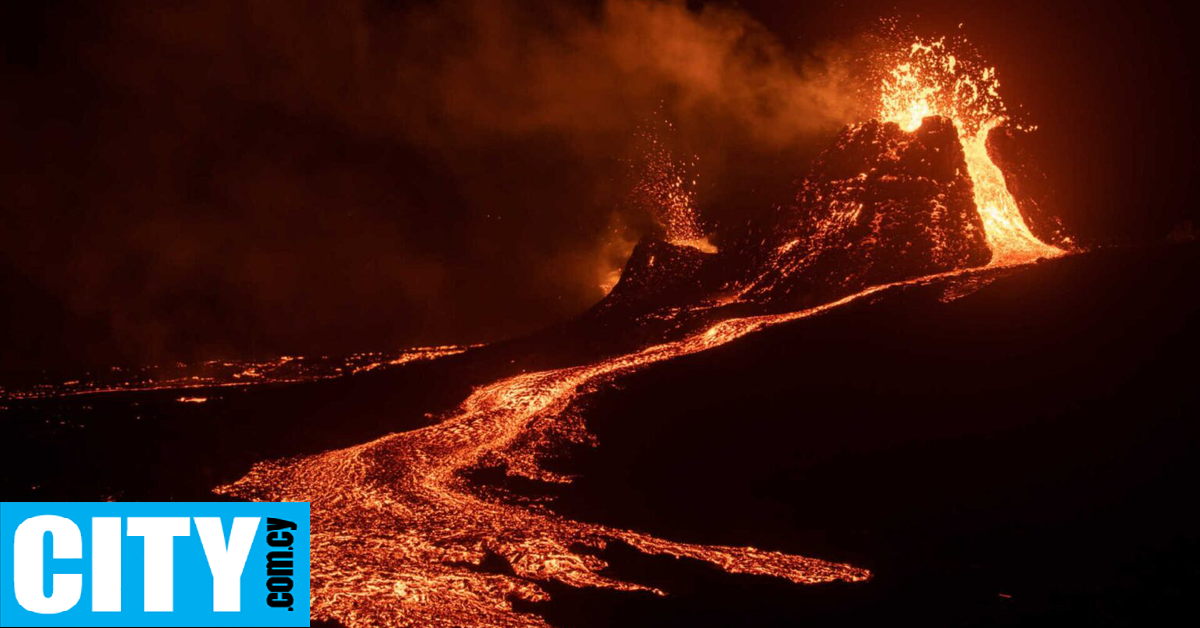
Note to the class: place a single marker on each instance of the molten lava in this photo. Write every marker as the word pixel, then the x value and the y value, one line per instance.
pixel 399 532
pixel 929 80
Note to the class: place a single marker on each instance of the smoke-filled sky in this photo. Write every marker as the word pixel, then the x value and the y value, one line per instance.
pixel 187 180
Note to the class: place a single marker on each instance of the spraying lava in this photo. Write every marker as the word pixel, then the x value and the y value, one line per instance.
pixel 929 80
pixel 666 187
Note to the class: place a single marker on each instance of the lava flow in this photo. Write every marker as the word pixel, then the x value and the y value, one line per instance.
pixel 226 373
pixel 402 536
pixel 399 533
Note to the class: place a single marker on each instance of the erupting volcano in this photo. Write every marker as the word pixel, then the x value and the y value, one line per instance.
pixel 632 313
pixel 403 530
pixel 930 80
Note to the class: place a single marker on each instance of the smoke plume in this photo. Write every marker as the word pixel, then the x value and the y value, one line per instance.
pixel 194 180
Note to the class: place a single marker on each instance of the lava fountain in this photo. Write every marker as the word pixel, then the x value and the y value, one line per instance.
pixel 666 187
pixel 927 79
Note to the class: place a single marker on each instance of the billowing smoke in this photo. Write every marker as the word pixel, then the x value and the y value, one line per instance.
pixel 514 69
pixel 190 180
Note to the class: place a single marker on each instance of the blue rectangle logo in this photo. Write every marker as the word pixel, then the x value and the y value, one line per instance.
pixel 154 564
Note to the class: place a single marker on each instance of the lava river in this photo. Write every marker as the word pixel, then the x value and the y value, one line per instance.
pixel 399 532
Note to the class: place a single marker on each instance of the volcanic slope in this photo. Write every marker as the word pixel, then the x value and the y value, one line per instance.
pixel 1022 455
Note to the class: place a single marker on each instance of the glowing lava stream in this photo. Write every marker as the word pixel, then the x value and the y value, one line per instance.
pixel 399 533
pixel 1007 234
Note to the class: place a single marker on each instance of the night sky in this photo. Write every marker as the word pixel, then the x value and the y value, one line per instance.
pixel 199 180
